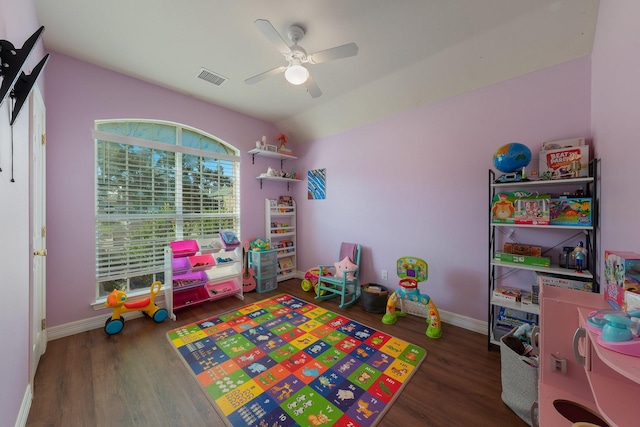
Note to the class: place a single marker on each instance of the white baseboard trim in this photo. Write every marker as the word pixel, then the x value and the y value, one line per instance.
pixel 97 322
pixel 84 325
pixel 25 407
pixel 463 322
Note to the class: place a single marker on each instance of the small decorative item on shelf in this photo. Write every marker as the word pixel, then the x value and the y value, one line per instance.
pixel 283 140
pixel 273 173
pixel 286 201
pixel 271 148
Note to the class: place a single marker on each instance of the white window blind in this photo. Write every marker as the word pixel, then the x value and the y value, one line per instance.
pixel 157 182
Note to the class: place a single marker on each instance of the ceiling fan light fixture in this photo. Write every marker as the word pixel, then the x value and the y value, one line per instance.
pixel 296 74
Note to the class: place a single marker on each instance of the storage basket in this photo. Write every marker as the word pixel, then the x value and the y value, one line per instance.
pixel 373 302
pixel 519 381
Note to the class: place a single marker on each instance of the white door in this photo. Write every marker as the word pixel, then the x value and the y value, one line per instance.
pixel 38 229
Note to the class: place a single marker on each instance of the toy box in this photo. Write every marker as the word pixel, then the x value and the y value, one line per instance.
pixel 507 294
pixel 502 209
pixel 512 318
pixel 571 162
pixel 532 209
pixel 520 207
pixel 535 261
pixel 621 271
pixel 564 143
pixel 631 301
pixel 519 249
pixel 570 211
pixel 563 282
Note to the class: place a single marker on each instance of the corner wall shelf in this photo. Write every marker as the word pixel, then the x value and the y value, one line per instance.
pixel 265 153
pixel 275 178
pixel 274 155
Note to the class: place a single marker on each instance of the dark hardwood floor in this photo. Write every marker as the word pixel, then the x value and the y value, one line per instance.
pixel 135 378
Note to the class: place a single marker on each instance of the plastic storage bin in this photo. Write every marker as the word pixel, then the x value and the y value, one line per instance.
pixel 263 258
pixel 264 270
pixel 189 279
pixel 221 289
pixel 182 248
pixel 201 262
pixel 190 296
pixel 180 265
pixel 266 284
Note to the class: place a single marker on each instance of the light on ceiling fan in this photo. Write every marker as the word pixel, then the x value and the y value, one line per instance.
pixel 296 74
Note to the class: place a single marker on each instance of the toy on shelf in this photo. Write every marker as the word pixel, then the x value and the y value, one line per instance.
pixel 579 256
pixel 117 300
pixel 412 271
pixel 260 245
pixel 512 159
pixel 229 239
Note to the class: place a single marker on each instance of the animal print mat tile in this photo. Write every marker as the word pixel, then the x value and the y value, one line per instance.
pixel 286 362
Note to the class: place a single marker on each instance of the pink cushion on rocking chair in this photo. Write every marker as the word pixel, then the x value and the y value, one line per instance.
pixel 343 266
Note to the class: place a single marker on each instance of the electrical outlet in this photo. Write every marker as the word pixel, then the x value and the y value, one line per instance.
pixel 384 275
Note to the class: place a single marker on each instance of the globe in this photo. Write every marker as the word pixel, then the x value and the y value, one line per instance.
pixel 511 157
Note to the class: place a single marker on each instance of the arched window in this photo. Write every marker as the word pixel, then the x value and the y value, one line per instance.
pixel 157 182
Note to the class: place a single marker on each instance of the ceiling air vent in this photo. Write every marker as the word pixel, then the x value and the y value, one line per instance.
pixel 211 77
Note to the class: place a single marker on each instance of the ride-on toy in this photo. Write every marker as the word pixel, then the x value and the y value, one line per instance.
pixel 310 280
pixel 117 300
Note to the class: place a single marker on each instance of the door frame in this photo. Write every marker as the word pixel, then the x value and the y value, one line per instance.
pixel 37 230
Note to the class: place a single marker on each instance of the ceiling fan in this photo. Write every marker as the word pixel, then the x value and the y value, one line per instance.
pixel 295 72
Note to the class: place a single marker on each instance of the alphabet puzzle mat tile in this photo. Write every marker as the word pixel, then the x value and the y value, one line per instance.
pixel 286 362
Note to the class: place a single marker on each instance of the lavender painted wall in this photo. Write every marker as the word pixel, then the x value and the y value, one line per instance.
pixel 18 21
pixel 79 93
pixel 416 184
pixel 616 128
pixel 388 185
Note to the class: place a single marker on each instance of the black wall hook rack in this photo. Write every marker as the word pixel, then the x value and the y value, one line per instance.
pixel 12 60
pixel 23 87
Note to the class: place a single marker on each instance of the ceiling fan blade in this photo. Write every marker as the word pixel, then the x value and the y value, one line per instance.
pixel 272 35
pixel 338 52
pixel 312 88
pixel 262 76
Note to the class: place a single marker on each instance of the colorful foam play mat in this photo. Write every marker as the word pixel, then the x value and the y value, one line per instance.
pixel 286 362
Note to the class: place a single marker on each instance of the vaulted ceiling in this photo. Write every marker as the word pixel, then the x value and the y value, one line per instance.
pixel 411 52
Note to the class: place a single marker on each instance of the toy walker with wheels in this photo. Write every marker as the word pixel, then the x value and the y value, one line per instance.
pixel 310 280
pixel 412 271
pixel 117 300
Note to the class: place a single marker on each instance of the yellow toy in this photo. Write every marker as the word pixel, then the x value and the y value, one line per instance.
pixel 412 271
pixel 117 300
pixel 310 280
